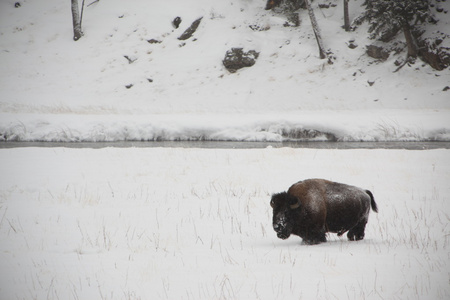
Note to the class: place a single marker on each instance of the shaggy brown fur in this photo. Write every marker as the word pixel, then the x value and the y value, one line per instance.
pixel 313 207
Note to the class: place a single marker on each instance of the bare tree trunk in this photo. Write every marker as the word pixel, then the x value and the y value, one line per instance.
pixel 76 21
pixel 412 47
pixel 316 30
pixel 346 16
pixel 411 44
pixel 81 15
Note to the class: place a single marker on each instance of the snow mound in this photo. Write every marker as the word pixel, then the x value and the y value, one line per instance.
pixel 305 126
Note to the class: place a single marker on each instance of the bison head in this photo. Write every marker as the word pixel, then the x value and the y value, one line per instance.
pixel 284 206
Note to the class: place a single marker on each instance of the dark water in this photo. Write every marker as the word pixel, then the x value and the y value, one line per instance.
pixel 235 145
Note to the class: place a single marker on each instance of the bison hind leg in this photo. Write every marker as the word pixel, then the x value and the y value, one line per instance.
pixel 341 232
pixel 357 232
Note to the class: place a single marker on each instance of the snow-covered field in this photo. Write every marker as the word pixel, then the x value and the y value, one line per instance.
pixel 196 224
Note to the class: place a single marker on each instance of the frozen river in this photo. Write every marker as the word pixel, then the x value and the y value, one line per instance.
pixel 235 145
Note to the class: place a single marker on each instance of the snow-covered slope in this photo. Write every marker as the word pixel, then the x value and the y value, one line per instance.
pixel 52 88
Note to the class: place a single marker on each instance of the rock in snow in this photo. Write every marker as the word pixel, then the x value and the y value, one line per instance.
pixel 236 59
pixel 190 30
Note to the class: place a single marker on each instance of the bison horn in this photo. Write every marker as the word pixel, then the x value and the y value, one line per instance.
pixel 295 205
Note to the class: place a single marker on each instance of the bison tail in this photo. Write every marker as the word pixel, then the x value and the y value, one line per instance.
pixel 372 201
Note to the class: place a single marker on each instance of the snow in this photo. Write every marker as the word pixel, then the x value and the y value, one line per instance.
pixel 55 89
pixel 348 126
pixel 176 223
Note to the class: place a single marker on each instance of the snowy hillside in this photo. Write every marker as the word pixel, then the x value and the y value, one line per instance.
pixel 113 84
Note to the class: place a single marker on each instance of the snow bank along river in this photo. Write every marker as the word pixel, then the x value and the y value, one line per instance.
pixel 235 145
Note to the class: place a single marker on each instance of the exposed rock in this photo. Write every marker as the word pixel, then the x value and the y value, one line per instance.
pixel 259 28
pixel 293 20
pixel 399 61
pixel 308 135
pixel 236 59
pixel 351 44
pixel 285 5
pixel 377 52
pixel 153 41
pixel 288 8
pixel 190 30
pixel 389 34
pixel 327 5
pixel 434 54
pixel 176 22
pixel 130 59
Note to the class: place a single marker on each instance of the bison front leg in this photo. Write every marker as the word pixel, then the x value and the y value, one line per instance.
pixel 314 236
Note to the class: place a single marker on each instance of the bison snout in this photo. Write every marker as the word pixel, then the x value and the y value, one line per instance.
pixel 282 236
pixel 278 227
pixel 281 231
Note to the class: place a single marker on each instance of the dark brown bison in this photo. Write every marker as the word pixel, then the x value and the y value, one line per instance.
pixel 313 207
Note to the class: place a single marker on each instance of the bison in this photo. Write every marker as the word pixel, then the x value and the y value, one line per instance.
pixel 313 207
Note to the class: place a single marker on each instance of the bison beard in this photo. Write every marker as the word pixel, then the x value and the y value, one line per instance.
pixel 313 207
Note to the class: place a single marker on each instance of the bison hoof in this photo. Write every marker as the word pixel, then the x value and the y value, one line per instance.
pixel 315 241
pixel 355 237
pixel 312 242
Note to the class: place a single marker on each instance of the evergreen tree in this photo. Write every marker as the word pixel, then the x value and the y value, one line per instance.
pixel 387 17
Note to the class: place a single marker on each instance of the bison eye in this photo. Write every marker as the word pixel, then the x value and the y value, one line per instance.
pixel 272 204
